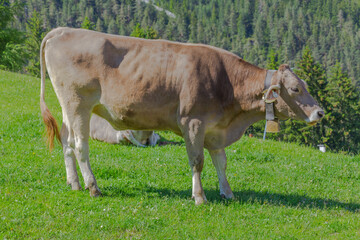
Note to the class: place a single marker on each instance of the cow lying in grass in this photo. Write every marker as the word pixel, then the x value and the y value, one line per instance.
pixel 205 94
pixel 101 130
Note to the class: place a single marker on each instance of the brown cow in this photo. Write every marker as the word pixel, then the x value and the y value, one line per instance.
pixel 205 94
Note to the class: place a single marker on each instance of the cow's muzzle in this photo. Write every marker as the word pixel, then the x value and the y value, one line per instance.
pixel 315 117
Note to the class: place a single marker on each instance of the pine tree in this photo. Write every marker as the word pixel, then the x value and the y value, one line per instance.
pixel 138 32
pixel 261 32
pixel 87 24
pixel 193 28
pixel 273 61
pixel 113 28
pixel 344 110
pixel 161 23
pixel 314 75
pixel 148 33
pixel 99 26
pixel 35 34
pixel 183 22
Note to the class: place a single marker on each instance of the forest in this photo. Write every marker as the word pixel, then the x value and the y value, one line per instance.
pixel 319 39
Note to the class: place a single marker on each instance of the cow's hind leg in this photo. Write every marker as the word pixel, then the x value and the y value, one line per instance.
pixel 81 133
pixel 193 133
pixel 68 143
pixel 78 115
pixel 219 160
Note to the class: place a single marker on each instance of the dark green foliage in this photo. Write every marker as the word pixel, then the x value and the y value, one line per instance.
pixel 251 29
pixel 12 58
pixel 343 111
pixel 11 52
pixel 35 34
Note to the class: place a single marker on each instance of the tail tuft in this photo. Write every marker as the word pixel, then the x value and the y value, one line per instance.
pixel 52 129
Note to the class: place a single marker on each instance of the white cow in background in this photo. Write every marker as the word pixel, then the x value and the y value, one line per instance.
pixel 101 130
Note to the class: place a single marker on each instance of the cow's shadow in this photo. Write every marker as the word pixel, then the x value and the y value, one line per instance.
pixel 163 142
pixel 249 197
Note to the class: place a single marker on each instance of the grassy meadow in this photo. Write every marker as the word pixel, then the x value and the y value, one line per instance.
pixel 282 191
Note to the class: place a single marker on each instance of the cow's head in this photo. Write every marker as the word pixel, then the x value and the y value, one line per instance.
pixel 142 136
pixel 291 98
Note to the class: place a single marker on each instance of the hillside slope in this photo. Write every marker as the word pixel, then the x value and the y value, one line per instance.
pixel 251 29
pixel 281 190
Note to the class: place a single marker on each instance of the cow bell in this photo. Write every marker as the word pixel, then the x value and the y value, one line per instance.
pixel 272 126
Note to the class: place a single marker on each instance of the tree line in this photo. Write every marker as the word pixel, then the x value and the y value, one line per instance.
pixel 319 39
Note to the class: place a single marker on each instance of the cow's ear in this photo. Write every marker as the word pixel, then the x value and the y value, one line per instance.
pixel 284 67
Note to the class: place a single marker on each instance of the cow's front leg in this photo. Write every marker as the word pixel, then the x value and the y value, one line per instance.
pixel 193 132
pixel 219 160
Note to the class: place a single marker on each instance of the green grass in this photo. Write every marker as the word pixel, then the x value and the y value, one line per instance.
pixel 282 191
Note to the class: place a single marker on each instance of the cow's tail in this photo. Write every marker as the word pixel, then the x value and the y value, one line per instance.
pixel 52 129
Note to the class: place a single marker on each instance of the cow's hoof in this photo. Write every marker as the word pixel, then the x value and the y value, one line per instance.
pixel 75 186
pixel 95 192
pixel 227 196
pixel 200 200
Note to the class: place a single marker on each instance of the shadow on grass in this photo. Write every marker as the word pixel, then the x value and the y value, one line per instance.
pixel 268 198
pixel 163 142
pixel 241 197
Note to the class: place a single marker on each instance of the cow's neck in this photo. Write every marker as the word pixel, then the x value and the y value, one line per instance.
pixel 248 107
pixel 248 84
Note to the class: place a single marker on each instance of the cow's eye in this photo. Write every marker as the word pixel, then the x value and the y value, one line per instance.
pixel 295 90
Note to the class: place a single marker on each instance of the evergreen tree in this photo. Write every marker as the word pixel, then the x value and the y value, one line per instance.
pixel 193 28
pixel 261 32
pixel 314 75
pixel 99 26
pixel 148 33
pixel 161 23
pixel 183 24
pixel 112 27
pixel 35 34
pixel 344 111
pixel 87 24
pixel 273 61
